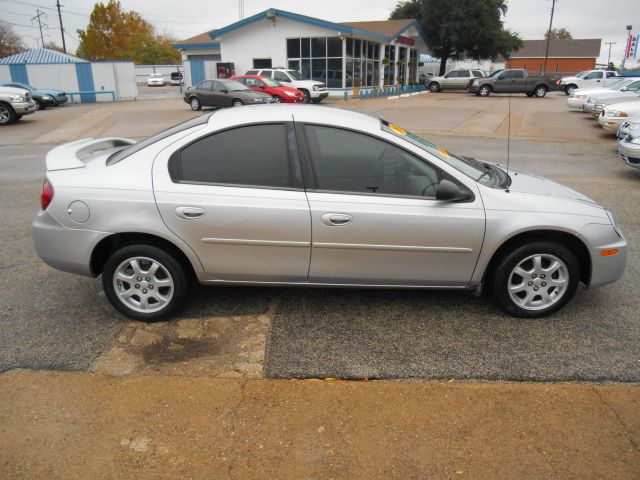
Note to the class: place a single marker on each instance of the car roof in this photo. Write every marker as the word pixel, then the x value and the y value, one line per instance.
pixel 249 76
pixel 300 113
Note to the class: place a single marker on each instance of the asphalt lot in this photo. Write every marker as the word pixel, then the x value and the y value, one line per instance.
pixel 53 320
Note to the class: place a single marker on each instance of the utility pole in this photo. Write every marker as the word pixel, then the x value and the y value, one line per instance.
pixel 37 17
pixel 241 9
pixel 609 56
pixel 64 45
pixel 546 53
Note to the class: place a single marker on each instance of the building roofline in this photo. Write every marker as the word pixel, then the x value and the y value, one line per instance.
pixel 313 21
pixel 185 46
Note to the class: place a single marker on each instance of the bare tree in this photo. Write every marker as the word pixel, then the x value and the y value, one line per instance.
pixel 10 41
pixel 559 34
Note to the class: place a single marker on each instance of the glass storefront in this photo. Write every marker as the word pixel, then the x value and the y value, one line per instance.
pixel 320 58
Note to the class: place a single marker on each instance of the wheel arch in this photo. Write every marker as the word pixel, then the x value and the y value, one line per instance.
pixel 572 242
pixel 105 247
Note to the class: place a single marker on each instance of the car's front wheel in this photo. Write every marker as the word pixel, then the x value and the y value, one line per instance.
pixel 7 115
pixel 144 282
pixel 195 104
pixel 237 103
pixel 434 87
pixel 307 95
pixel 536 279
pixel 276 99
pixel 569 89
pixel 484 91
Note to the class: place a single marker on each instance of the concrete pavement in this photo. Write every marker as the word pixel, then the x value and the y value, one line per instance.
pixel 79 426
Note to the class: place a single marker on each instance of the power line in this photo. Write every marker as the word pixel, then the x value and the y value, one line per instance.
pixel 37 18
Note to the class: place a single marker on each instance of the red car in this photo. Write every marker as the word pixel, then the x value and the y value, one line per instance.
pixel 279 92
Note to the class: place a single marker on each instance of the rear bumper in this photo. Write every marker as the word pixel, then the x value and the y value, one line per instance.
pixel 577 103
pixel 64 248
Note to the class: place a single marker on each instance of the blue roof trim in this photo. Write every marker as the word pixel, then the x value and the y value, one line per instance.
pixel 299 18
pixel 416 24
pixel 185 46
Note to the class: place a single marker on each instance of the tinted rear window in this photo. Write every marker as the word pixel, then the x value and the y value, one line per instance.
pixel 254 155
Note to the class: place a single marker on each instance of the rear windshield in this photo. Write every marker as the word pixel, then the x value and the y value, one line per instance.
pixel 124 153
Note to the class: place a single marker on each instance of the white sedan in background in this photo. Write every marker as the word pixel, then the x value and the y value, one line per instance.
pixel 613 116
pixel 578 98
pixel 155 80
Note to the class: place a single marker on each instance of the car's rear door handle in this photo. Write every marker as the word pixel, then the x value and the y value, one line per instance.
pixel 336 219
pixel 190 213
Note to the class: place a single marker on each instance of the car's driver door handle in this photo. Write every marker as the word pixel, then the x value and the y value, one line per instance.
pixel 190 213
pixel 336 219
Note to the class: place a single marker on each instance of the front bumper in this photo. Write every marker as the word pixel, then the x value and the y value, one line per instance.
pixel 604 269
pixel 611 124
pixel 473 88
pixel 321 94
pixel 64 248
pixel 629 153
pixel 61 100
pixel 24 108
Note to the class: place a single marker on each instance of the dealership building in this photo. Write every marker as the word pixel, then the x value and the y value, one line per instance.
pixel 342 55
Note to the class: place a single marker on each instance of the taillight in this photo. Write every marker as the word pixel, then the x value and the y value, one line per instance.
pixel 47 195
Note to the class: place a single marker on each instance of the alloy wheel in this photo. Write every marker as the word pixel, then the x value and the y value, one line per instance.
pixel 538 281
pixel 195 104
pixel 5 115
pixel 143 284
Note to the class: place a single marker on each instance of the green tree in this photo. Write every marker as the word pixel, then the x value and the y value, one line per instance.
pixel 458 29
pixel 116 34
pixel 559 34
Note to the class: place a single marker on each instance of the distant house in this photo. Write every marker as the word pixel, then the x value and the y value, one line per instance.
pixel 566 56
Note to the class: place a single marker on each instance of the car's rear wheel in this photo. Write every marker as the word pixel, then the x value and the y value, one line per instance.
pixel 195 104
pixel 535 280
pixel 276 99
pixel 237 103
pixel 484 91
pixel 316 100
pixel 7 115
pixel 434 87
pixel 541 91
pixel 529 94
pixel 144 282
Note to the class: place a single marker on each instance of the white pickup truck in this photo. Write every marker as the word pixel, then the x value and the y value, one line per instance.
pixel 314 91
pixel 588 79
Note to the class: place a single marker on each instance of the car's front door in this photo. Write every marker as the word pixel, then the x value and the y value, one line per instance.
pixel 205 90
pixel 462 80
pixel 593 79
pixel 375 219
pixel 219 95
pixel 236 198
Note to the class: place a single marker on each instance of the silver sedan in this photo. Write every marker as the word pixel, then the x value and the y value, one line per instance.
pixel 313 196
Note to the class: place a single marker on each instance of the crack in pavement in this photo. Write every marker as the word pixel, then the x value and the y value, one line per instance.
pixel 618 418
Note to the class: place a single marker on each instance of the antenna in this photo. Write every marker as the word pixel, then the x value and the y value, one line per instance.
pixel 509 125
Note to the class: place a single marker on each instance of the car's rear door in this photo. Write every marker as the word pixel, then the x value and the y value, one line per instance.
pixel 236 197
pixel 462 80
pixel 219 95
pixel 374 216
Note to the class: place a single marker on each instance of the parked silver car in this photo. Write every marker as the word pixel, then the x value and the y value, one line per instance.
pixel 453 80
pixel 311 196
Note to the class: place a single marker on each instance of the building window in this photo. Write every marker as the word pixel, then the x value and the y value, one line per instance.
pixel 261 63
pixel 317 58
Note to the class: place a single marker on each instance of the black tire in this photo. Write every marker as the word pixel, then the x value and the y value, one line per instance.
pixel 7 114
pixel 276 99
pixel 175 270
pixel 540 91
pixel 570 88
pixel 39 104
pixel 529 94
pixel 500 278
pixel 236 103
pixel 307 95
pixel 195 104
pixel 18 117
pixel 484 91
pixel 434 87
pixel 316 100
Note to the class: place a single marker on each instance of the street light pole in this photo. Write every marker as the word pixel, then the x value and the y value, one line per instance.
pixel 629 27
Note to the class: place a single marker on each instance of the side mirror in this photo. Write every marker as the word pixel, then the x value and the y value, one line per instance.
pixel 624 89
pixel 224 90
pixel 450 192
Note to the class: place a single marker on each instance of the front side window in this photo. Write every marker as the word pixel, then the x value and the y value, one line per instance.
pixel 206 85
pixel 346 161
pixel 464 74
pixel 451 75
pixel 254 155
pixel 593 75
pixel 517 74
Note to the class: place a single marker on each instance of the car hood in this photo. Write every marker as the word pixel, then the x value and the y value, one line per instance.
pixel 528 183
pixel 593 91
pixel 632 107
pixel 250 94
pixel 616 97
pixel 13 91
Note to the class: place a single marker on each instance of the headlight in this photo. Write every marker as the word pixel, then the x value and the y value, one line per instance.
pixel 635 141
pixel 476 82
pixel 633 126
pixel 17 98
pixel 613 223
pixel 47 97
pixel 290 94
pixel 316 88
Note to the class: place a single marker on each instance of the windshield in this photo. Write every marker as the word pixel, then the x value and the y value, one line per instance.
pixel 295 75
pixel 479 171
pixel 496 73
pixel 124 153
pixel 582 74
pixel 234 86
pixel 271 82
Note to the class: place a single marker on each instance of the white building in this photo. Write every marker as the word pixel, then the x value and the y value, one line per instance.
pixel 342 55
